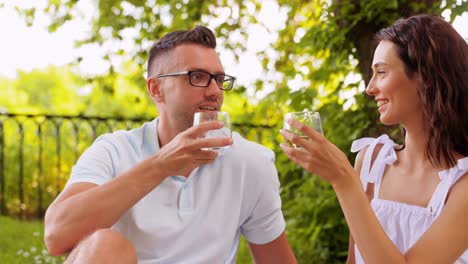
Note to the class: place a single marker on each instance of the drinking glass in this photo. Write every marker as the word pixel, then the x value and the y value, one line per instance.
pixel 311 119
pixel 217 133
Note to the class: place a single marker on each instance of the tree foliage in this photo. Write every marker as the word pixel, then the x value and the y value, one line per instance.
pixel 326 47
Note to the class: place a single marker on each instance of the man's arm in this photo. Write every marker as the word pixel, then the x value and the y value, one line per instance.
pixel 82 208
pixel 276 251
pixel 85 207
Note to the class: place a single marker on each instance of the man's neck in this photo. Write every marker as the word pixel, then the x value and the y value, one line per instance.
pixel 166 132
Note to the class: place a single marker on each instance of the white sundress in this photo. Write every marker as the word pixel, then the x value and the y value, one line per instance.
pixel 403 223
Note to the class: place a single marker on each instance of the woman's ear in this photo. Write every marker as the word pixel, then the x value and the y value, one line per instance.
pixel 154 89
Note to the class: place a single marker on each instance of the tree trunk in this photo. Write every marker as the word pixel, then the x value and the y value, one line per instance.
pixel 363 32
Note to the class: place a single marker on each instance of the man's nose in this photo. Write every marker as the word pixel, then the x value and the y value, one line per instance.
pixel 213 87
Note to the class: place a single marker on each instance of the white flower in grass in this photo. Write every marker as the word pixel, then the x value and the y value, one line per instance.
pixel 26 254
pixel 36 234
pixel 33 249
pixel 19 252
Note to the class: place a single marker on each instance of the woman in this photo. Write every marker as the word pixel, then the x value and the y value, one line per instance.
pixel 415 201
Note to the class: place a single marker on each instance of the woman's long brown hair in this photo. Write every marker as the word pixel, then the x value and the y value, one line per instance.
pixel 430 47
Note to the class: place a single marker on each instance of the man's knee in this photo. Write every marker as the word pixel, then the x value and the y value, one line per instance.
pixel 106 246
pixel 109 240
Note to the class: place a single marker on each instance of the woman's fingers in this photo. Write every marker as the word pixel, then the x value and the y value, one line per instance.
pixel 300 156
pixel 295 139
pixel 304 129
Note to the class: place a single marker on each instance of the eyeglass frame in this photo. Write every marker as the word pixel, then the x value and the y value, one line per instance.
pixel 212 76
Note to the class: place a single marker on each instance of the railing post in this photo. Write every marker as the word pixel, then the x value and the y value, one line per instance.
pixel 40 210
pixel 77 140
pixel 3 210
pixel 58 151
pixel 22 205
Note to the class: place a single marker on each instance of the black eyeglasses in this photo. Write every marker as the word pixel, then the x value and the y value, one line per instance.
pixel 203 79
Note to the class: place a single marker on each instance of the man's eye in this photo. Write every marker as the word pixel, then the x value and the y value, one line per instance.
pixel 220 78
pixel 197 76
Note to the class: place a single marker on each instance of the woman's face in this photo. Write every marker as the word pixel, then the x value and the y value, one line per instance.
pixel 396 94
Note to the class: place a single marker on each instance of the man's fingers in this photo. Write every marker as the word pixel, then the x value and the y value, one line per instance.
pixel 202 128
pixel 199 130
pixel 206 155
pixel 212 142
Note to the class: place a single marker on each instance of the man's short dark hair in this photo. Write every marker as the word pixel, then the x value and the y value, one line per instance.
pixel 199 35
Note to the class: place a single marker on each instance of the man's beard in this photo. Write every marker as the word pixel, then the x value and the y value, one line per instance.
pixel 186 120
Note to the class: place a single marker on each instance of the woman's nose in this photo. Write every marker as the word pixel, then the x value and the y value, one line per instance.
pixel 370 89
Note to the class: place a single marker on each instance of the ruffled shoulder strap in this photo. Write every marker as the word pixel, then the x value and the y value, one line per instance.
pixel 447 179
pixel 387 155
pixel 463 164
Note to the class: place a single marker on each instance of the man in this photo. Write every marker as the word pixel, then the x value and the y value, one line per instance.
pixel 154 195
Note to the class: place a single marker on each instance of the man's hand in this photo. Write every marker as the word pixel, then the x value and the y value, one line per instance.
pixel 185 152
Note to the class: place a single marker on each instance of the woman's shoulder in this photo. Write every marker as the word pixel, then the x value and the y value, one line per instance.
pixel 457 193
pixel 362 146
pixel 364 142
pixel 457 172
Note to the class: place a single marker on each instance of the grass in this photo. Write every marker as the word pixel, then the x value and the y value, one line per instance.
pixel 22 242
pixel 243 255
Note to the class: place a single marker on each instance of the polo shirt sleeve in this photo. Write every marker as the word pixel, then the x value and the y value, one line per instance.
pixel 95 164
pixel 265 222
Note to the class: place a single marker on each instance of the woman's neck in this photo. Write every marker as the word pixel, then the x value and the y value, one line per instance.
pixel 414 153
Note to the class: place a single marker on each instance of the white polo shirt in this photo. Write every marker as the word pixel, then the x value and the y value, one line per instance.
pixel 196 219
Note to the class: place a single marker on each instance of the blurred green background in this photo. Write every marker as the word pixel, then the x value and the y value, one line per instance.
pixel 316 56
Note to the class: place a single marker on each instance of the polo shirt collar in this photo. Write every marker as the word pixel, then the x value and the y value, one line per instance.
pixel 151 146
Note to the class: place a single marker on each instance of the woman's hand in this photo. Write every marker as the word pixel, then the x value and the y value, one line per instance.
pixel 318 155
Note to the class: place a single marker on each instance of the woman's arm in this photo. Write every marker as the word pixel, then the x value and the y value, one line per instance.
pixel 351 256
pixel 369 192
pixel 324 159
pixel 448 235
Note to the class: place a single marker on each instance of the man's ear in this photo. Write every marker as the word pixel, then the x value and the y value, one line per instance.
pixel 154 89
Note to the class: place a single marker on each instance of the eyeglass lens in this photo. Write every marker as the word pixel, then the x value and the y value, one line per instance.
pixel 204 78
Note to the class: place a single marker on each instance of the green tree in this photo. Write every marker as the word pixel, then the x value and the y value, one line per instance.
pixel 51 90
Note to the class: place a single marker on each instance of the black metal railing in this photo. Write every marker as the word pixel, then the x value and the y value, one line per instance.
pixel 38 151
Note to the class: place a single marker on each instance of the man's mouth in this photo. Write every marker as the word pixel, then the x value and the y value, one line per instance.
pixel 208 108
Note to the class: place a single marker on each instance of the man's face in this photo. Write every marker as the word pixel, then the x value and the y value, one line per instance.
pixel 180 100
